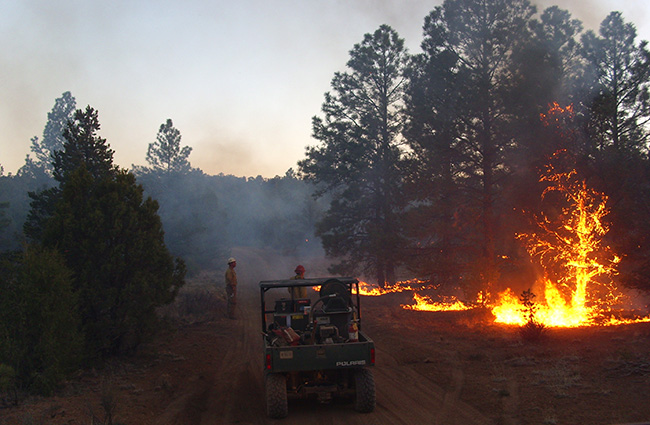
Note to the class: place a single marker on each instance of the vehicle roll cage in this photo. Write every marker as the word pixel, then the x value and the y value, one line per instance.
pixel 350 282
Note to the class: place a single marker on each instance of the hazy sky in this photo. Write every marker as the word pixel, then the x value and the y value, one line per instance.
pixel 240 79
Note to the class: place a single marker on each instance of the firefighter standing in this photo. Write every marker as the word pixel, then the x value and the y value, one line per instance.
pixel 298 291
pixel 231 287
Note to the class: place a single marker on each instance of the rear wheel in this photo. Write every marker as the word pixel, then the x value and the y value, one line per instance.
pixel 276 396
pixel 364 383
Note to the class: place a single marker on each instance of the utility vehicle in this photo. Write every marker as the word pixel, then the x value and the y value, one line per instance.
pixel 315 349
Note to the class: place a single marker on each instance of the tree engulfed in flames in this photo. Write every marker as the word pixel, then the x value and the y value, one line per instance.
pixel 577 285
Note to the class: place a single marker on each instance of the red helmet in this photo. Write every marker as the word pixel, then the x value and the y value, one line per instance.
pixel 300 269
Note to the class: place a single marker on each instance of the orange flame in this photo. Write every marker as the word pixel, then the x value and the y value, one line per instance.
pixel 425 303
pixel 401 286
pixel 578 288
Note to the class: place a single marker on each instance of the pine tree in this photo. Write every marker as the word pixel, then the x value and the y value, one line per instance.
pixel 620 89
pixel 165 154
pixel 358 160
pixel 111 238
pixel 52 140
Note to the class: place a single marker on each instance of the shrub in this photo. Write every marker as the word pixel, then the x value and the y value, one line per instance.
pixel 532 330
pixel 39 324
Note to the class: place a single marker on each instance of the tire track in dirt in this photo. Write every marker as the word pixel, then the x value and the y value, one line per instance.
pixel 233 391
pixel 419 400
pixel 235 397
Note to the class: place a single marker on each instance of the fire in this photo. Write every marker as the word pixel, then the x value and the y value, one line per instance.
pixel 577 287
pixel 401 286
pixel 422 302
pixel 425 303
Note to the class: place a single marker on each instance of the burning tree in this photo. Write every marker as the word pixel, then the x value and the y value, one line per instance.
pixel 577 266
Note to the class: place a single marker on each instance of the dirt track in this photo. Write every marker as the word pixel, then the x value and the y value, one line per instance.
pixel 233 392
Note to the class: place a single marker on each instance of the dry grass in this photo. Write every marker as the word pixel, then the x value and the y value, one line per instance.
pixel 199 300
pixel 561 376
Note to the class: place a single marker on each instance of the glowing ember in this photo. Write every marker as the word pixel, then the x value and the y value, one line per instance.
pixel 424 303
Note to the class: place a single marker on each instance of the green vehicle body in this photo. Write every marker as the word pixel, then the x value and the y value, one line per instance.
pixel 330 359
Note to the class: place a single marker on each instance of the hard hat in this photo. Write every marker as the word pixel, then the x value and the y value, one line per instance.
pixel 300 269
pixel 231 260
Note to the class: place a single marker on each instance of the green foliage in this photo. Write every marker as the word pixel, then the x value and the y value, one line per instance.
pixel 39 323
pixel 358 160
pixel 166 154
pixel 619 107
pixel 111 238
pixel 83 147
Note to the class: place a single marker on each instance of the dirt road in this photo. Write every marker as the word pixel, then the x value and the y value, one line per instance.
pixel 232 391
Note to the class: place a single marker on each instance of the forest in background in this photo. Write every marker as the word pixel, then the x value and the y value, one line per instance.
pixel 424 165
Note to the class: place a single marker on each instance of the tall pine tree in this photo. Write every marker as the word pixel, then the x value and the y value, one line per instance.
pixel 358 159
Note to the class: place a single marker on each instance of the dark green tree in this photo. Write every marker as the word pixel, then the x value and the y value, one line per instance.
pixel 482 35
pixel 82 146
pixel 111 238
pixel 166 154
pixel 619 105
pixel 617 112
pixel 432 131
pixel 358 159
pixel 40 336
pixel 546 65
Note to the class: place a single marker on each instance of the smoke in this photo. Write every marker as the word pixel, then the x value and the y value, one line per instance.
pixel 257 264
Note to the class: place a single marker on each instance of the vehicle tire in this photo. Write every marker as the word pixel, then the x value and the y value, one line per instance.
pixel 364 383
pixel 276 396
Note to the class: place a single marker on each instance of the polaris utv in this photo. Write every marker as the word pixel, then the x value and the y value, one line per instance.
pixel 316 349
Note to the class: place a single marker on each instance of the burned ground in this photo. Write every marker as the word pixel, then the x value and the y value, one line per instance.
pixel 437 368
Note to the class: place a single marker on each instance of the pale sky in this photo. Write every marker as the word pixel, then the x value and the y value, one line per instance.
pixel 239 79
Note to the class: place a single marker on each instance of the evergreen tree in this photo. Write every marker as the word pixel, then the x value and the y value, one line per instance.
pixel 83 147
pixel 52 140
pixel 432 132
pixel 482 35
pixel 166 154
pixel 111 238
pixel 358 160
pixel 620 91
pixel 40 336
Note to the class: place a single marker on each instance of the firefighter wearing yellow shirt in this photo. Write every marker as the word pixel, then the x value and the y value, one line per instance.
pixel 231 287
pixel 298 291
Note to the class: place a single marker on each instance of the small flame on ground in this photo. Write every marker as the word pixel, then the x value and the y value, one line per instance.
pixel 422 302
pixel 401 286
pixel 425 303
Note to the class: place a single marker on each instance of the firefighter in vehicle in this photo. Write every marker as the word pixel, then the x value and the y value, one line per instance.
pixel 298 292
